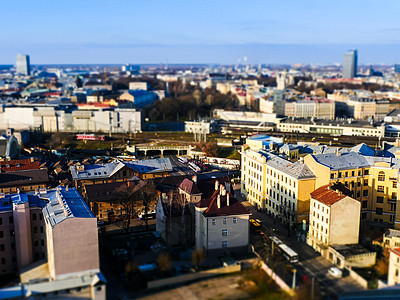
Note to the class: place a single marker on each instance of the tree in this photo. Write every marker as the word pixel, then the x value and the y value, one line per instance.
pixel 127 198
pixel 198 256
pixel 164 262
pixel 210 148
pixel 148 198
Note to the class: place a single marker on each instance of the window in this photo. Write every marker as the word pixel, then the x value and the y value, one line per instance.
pixel 365 193
pixel 2 248
pixel 12 233
pixel 340 175
pixel 380 189
pixel 394 184
pixel 224 220
pixel 379 199
pixel 346 174
pixel 378 211
pixel 366 172
pixel 40 216
pixel 35 229
pixel 352 173
pixel 364 204
pixel 224 244
pixel 234 220
pixel 34 216
pixel 332 175
pixel 394 196
pixel 224 232
pixel 11 220
pixel 365 182
pixel 213 221
pixel 41 229
pixel 1 221
pixel 381 176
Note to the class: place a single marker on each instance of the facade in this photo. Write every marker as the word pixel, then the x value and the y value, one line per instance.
pixel 394 267
pixel 322 109
pixel 138 85
pixel 71 240
pixel 23 180
pixel 23 65
pixel 139 98
pixel 200 127
pixel 22 231
pixel 350 64
pixel 332 127
pixel 373 181
pixel 391 239
pixel 334 217
pixel 221 222
pixel 277 186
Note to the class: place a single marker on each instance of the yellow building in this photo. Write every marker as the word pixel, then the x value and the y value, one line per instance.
pixel 277 186
pixel 373 181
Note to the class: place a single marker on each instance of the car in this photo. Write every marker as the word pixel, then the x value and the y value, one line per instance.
pixel 335 272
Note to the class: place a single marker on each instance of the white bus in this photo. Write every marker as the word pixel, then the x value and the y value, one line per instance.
pixel 194 167
pixel 289 254
pixel 182 159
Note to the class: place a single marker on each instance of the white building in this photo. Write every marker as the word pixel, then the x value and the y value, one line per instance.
pixel 221 221
pixel 394 267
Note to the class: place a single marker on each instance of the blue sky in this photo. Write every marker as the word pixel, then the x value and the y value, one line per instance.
pixel 219 31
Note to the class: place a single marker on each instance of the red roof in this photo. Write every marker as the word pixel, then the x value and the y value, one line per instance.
pixel 396 251
pixel 331 193
pixel 189 187
pixel 19 164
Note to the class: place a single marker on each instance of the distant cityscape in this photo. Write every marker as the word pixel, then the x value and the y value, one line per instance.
pixel 153 180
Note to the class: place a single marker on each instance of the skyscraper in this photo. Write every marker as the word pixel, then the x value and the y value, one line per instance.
pixel 350 64
pixel 23 65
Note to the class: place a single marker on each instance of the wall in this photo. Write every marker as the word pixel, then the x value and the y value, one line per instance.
pixel 75 245
pixel 344 223
pixel 193 276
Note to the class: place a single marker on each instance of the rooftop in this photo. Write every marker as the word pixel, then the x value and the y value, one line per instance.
pixel 64 203
pixel 350 250
pixel 331 193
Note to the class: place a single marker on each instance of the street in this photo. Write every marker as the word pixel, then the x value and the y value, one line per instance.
pixel 310 262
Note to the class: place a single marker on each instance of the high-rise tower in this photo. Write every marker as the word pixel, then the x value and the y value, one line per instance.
pixel 23 65
pixel 350 64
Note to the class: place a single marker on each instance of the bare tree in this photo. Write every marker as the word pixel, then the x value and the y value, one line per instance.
pixel 198 256
pixel 129 201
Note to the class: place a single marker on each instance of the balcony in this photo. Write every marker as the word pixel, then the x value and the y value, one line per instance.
pixel 393 200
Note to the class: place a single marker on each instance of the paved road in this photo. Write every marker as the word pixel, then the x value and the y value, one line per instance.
pixel 310 262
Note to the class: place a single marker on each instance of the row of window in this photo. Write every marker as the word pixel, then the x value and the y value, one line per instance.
pixel 224 221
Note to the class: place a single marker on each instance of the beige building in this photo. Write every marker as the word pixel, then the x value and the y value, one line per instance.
pixel 391 239
pixel 364 108
pixel 394 267
pixel 319 108
pixel 334 217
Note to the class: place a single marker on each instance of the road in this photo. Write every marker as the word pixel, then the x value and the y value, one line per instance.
pixel 311 263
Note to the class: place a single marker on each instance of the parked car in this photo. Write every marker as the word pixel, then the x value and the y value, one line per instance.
pixel 335 272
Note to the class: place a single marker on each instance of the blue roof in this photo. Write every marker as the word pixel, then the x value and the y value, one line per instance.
pixel 7 201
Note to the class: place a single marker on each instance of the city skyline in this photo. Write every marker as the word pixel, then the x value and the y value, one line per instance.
pixel 206 32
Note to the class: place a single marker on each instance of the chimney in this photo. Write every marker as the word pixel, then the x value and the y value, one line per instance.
pixel 216 185
pixel 219 201
pixel 32 159
pixel 194 178
pixel 18 190
pixel 222 190
pixel 227 199
pixel 66 188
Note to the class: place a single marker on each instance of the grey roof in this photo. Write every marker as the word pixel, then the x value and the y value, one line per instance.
pixel 151 165
pixel 96 170
pixel 64 203
pixel 344 161
pixel 392 233
pixel 353 160
pixel 297 170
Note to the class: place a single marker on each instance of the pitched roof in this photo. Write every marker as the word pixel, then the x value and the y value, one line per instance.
pixel 189 187
pixel 23 177
pixel 344 161
pixel 234 207
pixel 331 193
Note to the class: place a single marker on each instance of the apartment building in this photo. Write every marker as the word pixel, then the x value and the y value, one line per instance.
pixel 373 181
pixel 221 221
pixel 334 217
pixel 394 267
pixel 277 186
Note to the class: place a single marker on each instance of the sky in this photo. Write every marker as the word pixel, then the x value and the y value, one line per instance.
pixel 200 31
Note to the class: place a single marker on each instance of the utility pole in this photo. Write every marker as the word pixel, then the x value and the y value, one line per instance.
pixel 312 288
